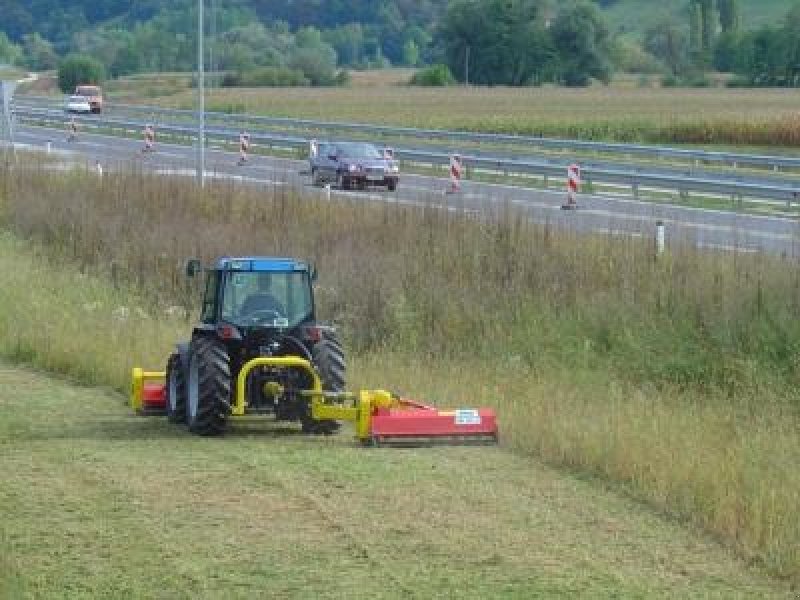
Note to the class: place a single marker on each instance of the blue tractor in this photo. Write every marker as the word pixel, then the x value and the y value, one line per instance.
pixel 253 307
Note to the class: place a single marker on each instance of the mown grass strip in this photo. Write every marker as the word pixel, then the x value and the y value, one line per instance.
pixel 104 504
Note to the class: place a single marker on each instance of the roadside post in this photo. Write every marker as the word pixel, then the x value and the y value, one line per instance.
pixel 661 238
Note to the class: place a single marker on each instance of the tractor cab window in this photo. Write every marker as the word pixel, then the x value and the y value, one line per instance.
pixel 210 298
pixel 267 299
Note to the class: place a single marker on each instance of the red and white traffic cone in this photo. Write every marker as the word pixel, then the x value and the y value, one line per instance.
pixel 573 187
pixel 456 171
pixel 244 147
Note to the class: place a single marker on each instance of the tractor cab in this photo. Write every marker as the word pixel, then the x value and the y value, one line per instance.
pixel 257 293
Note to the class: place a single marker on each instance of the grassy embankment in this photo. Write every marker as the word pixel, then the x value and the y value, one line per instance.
pixel 674 378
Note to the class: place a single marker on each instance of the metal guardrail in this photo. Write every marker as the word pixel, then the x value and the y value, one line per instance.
pixel 733 159
pixel 636 180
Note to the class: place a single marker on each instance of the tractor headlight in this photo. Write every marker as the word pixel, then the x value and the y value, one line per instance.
pixel 354 168
pixel 393 169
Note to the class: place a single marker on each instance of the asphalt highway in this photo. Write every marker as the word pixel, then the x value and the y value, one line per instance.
pixel 712 229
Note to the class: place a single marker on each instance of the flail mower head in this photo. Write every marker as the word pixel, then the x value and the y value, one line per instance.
pixel 380 417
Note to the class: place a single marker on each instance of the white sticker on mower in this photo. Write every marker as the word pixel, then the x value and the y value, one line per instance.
pixel 468 417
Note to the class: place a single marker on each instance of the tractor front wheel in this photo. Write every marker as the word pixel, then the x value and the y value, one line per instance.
pixel 176 390
pixel 208 401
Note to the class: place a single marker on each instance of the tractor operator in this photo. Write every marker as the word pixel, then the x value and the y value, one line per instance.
pixel 262 300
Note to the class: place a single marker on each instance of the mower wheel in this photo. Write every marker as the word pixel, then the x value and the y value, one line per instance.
pixel 209 387
pixel 329 360
pixel 176 390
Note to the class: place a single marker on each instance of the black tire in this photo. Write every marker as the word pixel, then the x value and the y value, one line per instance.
pixel 316 180
pixel 176 390
pixel 345 183
pixel 329 361
pixel 208 398
pixel 392 185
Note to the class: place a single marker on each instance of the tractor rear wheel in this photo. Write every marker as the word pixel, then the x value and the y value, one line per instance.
pixel 329 360
pixel 208 401
pixel 176 390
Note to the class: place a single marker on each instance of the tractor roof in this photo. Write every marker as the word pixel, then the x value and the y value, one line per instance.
pixel 261 263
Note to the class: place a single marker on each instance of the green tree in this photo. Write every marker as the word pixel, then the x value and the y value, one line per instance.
pixel 583 45
pixel 38 53
pixel 76 69
pixel 667 41
pixel 318 64
pixel 727 52
pixel 410 53
pixel 695 31
pixel 710 23
pixel 10 53
pixel 349 42
pixel 729 16
pixel 496 41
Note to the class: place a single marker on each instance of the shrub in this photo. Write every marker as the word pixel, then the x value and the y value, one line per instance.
pixel 434 76
pixel 76 69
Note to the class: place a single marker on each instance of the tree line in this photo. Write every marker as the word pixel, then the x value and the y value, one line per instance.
pixel 310 42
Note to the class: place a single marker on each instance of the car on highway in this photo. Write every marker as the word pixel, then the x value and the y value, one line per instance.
pixel 77 104
pixel 94 95
pixel 353 165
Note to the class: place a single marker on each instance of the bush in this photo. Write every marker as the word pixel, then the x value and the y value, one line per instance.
pixel 434 76
pixel 670 81
pixel 76 69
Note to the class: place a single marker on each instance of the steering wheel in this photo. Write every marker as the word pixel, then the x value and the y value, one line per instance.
pixel 264 314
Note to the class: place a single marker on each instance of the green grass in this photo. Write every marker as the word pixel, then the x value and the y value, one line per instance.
pixel 103 504
pixel 673 379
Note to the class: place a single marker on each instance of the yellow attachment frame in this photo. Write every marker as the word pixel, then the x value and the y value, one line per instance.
pixel 324 405
pixel 336 406
pixel 138 378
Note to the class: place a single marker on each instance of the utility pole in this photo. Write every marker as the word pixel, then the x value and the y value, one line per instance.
pixel 201 96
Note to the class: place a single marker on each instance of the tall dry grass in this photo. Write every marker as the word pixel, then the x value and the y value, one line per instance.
pixel 674 377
